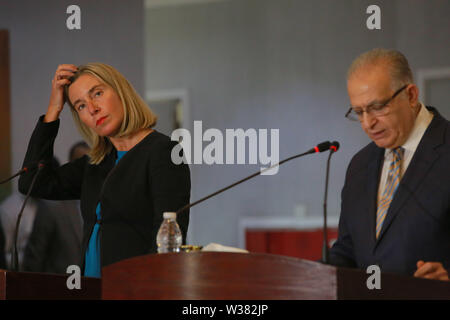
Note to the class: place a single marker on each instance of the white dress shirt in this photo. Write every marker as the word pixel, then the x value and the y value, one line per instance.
pixel 421 124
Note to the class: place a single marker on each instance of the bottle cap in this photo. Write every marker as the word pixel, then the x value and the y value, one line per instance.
pixel 169 215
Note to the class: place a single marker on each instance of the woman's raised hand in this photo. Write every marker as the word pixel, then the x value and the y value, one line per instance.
pixel 61 78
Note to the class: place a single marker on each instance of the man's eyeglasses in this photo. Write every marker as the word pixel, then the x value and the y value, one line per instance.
pixel 376 109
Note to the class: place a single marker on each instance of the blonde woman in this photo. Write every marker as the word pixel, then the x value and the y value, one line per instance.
pixel 127 181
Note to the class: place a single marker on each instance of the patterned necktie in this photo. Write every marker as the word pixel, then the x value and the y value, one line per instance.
pixel 393 180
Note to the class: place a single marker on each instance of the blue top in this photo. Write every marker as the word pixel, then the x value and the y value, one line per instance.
pixel 93 266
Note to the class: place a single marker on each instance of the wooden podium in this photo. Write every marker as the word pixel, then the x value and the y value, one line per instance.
pixel 45 286
pixel 220 276
pixel 241 276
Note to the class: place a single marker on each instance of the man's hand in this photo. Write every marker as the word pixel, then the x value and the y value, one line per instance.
pixel 431 270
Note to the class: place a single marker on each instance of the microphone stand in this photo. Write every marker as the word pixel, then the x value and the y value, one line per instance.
pixel 25 169
pixel 325 249
pixel 14 251
pixel 319 148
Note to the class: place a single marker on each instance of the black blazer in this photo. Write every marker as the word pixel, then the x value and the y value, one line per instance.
pixel 417 224
pixel 133 194
pixel 55 241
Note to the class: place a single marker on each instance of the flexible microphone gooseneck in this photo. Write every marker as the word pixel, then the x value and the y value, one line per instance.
pixel 324 146
pixel 325 255
pixel 14 253
pixel 23 170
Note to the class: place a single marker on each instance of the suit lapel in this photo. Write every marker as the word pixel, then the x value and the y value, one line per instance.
pixel 373 177
pixel 420 164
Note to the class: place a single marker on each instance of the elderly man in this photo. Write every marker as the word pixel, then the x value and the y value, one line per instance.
pixel 396 198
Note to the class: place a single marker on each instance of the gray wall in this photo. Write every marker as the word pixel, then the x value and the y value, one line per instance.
pixel 423 32
pixel 111 32
pixel 277 64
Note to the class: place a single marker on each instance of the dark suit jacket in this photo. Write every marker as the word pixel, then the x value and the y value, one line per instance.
pixel 55 242
pixel 133 194
pixel 417 224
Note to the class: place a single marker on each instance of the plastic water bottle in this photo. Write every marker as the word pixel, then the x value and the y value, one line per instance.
pixel 169 238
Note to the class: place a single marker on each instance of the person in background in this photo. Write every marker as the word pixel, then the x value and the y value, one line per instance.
pixel 395 202
pixel 78 150
pixel 127 181
pixel 55 241
pixel 9 211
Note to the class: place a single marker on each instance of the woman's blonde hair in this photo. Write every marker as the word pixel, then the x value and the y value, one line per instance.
pixel 137 114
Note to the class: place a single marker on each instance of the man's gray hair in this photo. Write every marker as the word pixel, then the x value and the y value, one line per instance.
pixel 396 62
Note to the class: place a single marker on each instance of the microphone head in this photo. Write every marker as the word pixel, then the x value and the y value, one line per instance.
pixel 334 146
pixel 37 165
pixel 321 147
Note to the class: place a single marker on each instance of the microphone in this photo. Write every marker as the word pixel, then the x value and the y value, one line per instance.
pixel 334 146
pixel 321 147
pixel 14 252
pixel 23 170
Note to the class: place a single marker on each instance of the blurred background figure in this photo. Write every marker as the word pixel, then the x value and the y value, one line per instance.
pixel 9 210
pixel 78 150
pixel 55 241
